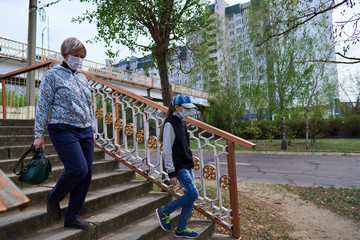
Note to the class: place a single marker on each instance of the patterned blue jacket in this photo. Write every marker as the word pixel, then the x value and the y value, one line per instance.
pixel 64 97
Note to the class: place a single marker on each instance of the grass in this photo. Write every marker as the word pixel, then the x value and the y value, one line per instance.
pixel 297 145
pixel 343 201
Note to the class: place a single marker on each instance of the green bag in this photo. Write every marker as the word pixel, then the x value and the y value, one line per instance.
pixel 37 170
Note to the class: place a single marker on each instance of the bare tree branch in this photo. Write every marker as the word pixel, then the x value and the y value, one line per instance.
pixel 307 17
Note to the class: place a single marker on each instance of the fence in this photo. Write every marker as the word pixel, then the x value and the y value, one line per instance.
pixel 18 50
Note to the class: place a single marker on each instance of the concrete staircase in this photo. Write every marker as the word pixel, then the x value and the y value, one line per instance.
pixel 118 205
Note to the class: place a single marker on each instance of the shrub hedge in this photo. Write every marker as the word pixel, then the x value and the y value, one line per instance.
pixel 339 127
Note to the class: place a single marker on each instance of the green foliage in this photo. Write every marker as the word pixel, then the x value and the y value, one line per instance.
pixel 253 130
pixel 319 128
pixel 14 100
pixel 269 129
pixel 332 127
pixel 351 126
pixel 292 79
pixel 166 24
pixel 295 128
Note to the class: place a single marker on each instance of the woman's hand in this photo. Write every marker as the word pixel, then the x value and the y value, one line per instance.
pixel 173 181
pixel 39 142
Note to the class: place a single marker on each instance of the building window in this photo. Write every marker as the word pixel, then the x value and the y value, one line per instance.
pixel 238 22
pixel 231 18
pixel 232 25
pixel 238 14
pixel 231 33
pixel 239 30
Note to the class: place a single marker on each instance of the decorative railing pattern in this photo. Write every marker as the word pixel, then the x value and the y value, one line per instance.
pixel 18 50
pixel 127 127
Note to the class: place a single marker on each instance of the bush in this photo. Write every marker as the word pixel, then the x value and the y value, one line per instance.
pixel 296 127
pixel 253 130
pixel 351 126
pixel 332 127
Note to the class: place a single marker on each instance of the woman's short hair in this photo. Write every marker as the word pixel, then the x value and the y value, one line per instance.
pixel 70 45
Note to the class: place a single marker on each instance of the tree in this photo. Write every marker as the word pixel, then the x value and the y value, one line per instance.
pixel 222 71
pixel 305 11
pixel 165 22
pixel 317 85
pixel 283 55
pixel 352 92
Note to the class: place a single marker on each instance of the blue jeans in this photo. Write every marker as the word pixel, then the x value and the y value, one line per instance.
pixel 186 201
pixel 75 148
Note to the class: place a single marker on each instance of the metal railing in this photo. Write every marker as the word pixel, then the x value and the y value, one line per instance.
pixel 17 50
pixel 126 128
pixel 14 89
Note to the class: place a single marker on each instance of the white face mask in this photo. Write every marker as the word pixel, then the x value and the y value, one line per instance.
pixel 74 63
pixel 187 112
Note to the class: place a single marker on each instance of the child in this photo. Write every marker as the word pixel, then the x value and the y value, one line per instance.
pixel 178 163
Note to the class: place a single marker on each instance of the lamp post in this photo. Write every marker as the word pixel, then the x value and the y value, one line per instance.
pixel 31 55
pixel 42 38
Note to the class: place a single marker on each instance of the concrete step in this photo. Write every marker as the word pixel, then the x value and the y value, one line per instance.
pixel 205 229
pixel 17 130
pixel 102 180
pixel 15 152
pixel 13 140
pixel 105 203
pixel 7 165
pixel 148 228
pixel 16 122
pixel 121 207
pixel 99 167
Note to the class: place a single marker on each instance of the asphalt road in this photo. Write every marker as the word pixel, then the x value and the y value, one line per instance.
pixel 297 170
pixel 300 169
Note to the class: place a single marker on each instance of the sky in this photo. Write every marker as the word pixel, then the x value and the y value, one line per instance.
pixel 14 26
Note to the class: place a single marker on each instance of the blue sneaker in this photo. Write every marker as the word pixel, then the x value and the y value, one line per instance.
pixel 186 233
pixel 164 219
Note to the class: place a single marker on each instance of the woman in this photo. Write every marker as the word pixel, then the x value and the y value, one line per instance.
pixel 64 103
pixel 178 163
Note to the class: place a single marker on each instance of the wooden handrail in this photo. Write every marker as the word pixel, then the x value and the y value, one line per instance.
pixel 27 69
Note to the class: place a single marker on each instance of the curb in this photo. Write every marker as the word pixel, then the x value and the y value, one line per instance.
pixel 300 153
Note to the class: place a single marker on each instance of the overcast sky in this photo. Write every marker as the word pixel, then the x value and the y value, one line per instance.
pixel 14 26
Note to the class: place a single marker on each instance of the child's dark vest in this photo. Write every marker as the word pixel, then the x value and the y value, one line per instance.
pixel 181 153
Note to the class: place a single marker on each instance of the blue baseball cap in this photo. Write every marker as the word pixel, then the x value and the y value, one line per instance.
pixel 183 100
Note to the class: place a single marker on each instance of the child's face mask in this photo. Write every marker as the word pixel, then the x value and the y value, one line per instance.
pixel 187 112
pixel 74 63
